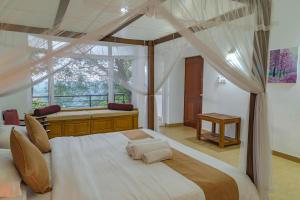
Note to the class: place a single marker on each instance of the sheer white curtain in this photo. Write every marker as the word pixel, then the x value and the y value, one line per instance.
pixel 223 32
pixel 29 59
pixel 118 69
pixel 132 75
pixel 168 57
pixel 13 71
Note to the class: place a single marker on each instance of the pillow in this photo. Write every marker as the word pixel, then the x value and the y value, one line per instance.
pixel 30 163
pixel 37 134
pixel 48 161
pixel 10 181
pixel 119 106
pixel 5 131
pixel 47 110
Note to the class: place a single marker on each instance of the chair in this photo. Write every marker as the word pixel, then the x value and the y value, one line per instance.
pixel 11 117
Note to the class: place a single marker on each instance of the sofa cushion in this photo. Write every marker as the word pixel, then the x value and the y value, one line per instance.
pixel 119 106
pixel 47 110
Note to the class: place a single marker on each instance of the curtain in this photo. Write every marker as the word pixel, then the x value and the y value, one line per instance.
pixel 168 57
pixel 13 70
pixel 225 33
pixel 228 34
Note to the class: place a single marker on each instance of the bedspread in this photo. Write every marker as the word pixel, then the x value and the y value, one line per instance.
pixel 97 167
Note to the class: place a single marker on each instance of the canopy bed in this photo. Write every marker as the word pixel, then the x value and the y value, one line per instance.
pixel 96 166
pixel 214 28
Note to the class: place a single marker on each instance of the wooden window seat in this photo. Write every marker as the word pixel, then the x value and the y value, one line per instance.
pixel 85 122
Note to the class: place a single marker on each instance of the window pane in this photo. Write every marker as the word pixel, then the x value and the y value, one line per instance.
pixel 123 70
pixel 58 44
pixel 40 95
pixel 37 42
pixel 82 83
pixel 123 51
pixel 99 50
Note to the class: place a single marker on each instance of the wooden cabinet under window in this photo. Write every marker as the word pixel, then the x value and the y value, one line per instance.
pixel 102 125
pixel 123 123
pixel 78 123
pixel 55 129
pixel 77 127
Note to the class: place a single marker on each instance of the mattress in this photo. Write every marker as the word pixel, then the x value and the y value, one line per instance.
pixel 247 190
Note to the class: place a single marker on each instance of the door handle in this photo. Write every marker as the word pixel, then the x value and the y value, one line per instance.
pixel 201 95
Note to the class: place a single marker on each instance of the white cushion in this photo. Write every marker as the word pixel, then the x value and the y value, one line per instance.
pixel 5 134
pixel 10 181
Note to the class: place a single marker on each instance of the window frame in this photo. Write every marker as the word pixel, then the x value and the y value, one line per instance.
pixel 111 64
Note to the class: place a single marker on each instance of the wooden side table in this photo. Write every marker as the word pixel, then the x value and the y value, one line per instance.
pixel 222 120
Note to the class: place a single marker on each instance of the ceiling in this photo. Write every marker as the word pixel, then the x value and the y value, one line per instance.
pixel 86 15
pixel 146 28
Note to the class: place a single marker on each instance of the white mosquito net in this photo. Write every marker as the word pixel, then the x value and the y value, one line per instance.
pixel 228 34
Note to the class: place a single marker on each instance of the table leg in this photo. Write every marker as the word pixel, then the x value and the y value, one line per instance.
pixel 222 135
pixel 237 131
pixel 213 127
pixel 199 129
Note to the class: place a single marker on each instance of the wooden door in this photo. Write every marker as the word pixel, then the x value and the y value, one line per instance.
pixel 193 90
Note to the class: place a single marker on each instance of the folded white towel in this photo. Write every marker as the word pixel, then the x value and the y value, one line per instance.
pixel 141 141
pixel 137 150
pixel 157 155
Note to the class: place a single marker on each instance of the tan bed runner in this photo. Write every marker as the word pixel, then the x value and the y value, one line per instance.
pixel 215 184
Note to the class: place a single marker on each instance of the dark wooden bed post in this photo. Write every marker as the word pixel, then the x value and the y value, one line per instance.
pixel 249 170
pixel 261 42
pixel 150 96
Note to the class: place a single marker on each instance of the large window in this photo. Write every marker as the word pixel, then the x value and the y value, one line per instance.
pixel 86 81
pixel 40 95
pixel 83 83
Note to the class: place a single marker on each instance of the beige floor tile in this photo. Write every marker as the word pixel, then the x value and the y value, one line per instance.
pixel 285 173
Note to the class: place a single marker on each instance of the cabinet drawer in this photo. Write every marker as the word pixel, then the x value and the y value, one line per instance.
pixel 123 123
pixel 56 129
pixel 77 127
pixel 135 122
pixel 102 125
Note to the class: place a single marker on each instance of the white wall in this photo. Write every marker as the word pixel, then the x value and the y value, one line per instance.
pixel 284 107
pixel 221 98
pixel 20 101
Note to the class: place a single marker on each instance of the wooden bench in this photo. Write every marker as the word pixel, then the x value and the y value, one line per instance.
pixel 86 122
pixel 222 120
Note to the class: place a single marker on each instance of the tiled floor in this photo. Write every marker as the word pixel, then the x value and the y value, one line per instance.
pixel 285 173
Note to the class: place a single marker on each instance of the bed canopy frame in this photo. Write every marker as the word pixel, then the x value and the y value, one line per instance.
pixel 261 37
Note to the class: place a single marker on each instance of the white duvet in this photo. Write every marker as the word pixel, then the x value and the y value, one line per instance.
pixel 97 167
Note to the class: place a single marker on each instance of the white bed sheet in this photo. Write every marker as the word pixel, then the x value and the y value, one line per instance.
pixel 98 167
pixel 247 190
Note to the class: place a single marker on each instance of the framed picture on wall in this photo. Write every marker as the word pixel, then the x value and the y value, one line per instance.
pixel 283 65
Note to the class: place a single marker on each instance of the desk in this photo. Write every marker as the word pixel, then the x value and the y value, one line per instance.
pixel 222 120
